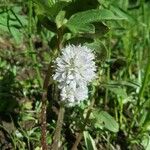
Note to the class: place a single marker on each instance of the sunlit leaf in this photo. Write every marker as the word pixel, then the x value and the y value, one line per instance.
pixel 80 20
pixel 89 141
pixel 146 142
pixel 106 120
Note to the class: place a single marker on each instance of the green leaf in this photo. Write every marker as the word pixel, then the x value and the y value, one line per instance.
pixel 100 30
pixel 78 40
pixel 47 23
pixel 88 28
pixel 130 84
pixel 79 6
pixel 89 142
pixel 146 124
pixel 80 20
pixel 99 48
pixel 50 10
pixel 60 19
pixel 121 92
pixel 57 7
pixel 146 142
pixel 17 35
pixel 120 12
pixel 106 120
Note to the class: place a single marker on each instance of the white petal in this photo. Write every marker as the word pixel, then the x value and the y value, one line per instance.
pixel 75 70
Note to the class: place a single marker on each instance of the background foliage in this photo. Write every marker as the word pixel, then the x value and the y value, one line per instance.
pixel 31 34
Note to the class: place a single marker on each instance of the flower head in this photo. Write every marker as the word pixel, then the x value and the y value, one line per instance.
pixel 75 70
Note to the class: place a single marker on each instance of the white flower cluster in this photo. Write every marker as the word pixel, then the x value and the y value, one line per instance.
pixel 75 70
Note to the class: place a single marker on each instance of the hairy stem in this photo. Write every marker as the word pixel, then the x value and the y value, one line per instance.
pixel 44 106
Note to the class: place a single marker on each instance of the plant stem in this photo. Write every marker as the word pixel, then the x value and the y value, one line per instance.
pixel 56 137
pixel 79 137
pixel 44 106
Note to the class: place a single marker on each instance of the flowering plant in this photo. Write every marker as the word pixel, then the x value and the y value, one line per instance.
pixel 75 70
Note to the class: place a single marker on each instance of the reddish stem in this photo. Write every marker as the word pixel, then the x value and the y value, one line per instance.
pixel 44 106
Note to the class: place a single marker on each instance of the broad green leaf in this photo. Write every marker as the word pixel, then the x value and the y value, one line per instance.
pixel 89 142
pixel 87 28
pixel 3 29
pixel 106 120
pixel 79 20
pixel 13 23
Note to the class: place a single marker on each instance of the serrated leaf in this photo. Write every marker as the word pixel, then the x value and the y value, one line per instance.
pixel 108 122
pixel 89 142
pixel 79 20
